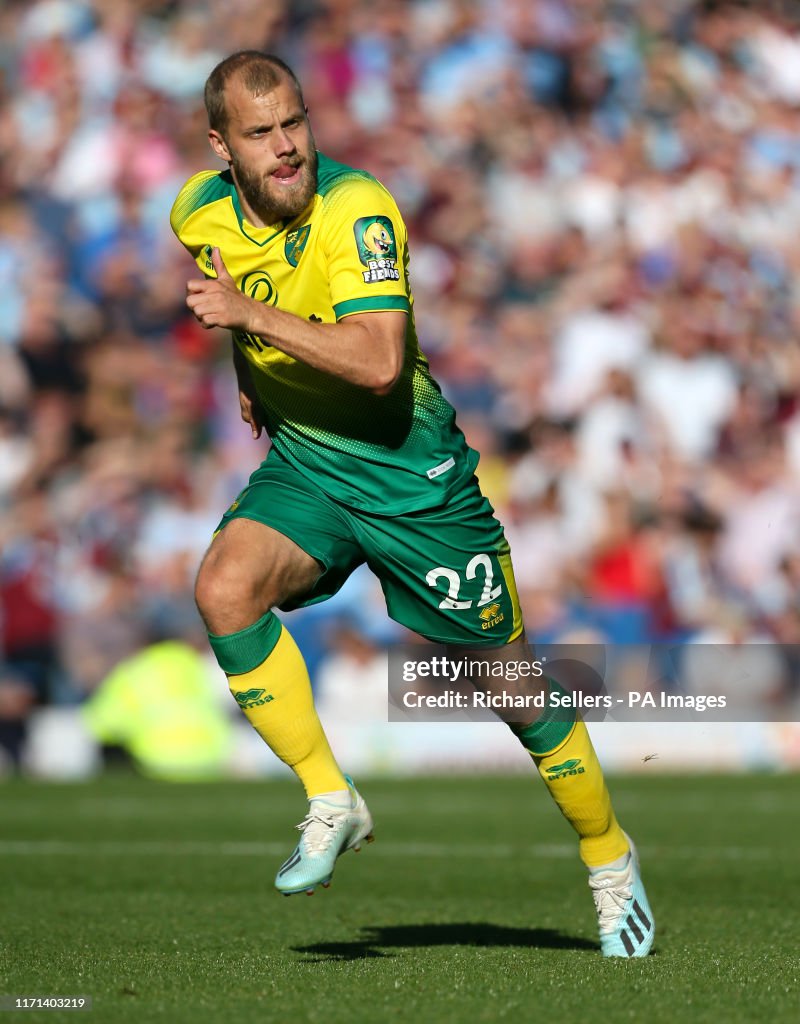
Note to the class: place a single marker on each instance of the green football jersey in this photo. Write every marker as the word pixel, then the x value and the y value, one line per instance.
pixel 346 253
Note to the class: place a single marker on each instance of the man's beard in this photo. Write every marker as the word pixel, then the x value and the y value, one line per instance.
pixel 273 202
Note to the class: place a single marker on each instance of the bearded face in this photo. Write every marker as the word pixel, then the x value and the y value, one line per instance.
pixel 269 146
pixel 281 194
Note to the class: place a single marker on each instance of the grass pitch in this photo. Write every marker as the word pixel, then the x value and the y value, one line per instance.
pixel 471 906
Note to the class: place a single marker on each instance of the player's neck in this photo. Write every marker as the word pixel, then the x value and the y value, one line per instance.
pixel 257 220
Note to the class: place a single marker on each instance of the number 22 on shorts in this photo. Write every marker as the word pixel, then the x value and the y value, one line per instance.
pixel 452 601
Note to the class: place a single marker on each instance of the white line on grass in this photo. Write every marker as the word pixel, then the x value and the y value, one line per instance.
pixel 180 848
pixel 551 851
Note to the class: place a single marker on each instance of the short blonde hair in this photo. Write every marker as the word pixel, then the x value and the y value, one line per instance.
pixel 261 73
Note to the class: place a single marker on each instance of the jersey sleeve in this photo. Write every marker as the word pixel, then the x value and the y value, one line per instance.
pixel 366 247
pixel 190 212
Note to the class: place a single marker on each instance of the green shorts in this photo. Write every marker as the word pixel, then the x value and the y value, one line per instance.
pixel 445 572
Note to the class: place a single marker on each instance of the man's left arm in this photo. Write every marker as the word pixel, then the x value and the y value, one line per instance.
pixel 366 349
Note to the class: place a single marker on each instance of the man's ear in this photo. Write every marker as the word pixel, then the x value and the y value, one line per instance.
pixel 219 145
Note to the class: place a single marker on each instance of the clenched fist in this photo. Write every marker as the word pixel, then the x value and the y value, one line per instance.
pixel 219 303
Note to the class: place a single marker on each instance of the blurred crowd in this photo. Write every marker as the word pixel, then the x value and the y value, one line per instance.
pixel 603 205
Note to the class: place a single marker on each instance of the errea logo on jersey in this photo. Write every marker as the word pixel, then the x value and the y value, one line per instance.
pixel 377 249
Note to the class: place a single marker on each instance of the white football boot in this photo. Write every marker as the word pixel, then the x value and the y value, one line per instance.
pixel 627 928
pixel 329 828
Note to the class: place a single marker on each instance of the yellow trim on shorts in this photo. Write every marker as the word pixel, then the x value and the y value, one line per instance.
pixel 511 584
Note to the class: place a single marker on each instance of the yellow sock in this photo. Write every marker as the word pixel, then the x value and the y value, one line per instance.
pixel 277 700
pixel 574 777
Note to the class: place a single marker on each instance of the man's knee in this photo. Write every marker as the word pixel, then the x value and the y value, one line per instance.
pixel 230 596
pixel 248 570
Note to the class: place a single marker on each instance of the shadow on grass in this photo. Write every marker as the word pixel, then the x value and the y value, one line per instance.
pixel 376 940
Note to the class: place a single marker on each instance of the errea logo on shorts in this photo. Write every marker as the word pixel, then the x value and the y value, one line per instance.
pixel 491 616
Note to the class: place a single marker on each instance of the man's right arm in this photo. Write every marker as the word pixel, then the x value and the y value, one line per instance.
pixel 365 349
pixel 249 404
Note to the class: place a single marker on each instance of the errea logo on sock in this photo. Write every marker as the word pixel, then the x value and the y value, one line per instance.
pixel 252 698
pixel 561 771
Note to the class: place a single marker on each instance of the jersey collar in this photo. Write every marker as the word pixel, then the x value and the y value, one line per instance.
pixel 251 232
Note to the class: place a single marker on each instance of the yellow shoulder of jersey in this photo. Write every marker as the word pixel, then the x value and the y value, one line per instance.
pixel 199 192
pixel 358 195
